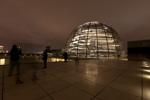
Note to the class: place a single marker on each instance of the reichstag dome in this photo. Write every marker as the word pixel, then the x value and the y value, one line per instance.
pixel 94 40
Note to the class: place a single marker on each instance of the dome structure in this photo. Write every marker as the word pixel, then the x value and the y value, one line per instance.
pixel 1 49
pixel 94 40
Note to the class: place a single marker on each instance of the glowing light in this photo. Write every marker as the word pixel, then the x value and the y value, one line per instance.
pixel 146 76
pixel 81 44
pixel 75 42
pixel 146 92
pixel 56 60
pixel 124 59
pixel 74 47
pixel 2 61
pixel 85 30
pixel 146 70
pixel 7 51
pixel 81 48
pixel 145 64
pixel 82 40
pixel 91 71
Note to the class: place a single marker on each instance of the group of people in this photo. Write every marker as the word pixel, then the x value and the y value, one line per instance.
pixel 15 53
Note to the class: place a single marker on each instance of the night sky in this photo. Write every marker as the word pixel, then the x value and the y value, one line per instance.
pixel 34 24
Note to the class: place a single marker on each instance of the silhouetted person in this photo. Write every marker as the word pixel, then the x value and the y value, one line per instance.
pixel 65 56
pixel 14 61
pixel 118 56
pixel 45 58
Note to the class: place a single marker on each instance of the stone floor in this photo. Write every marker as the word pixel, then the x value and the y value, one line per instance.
pixel 88 80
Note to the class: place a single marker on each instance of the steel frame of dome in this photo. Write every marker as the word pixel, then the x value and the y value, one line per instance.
pixel 94 40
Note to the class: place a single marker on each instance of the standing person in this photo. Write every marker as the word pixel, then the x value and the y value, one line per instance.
pixel 45 58
pixel 65 56
pixel 14 61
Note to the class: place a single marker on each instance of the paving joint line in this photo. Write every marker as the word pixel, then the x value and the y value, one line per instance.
pixel 108 84
pixel 3 84
pixel 142 80
pixel 70 85
pixel 40 86
pixel 124 92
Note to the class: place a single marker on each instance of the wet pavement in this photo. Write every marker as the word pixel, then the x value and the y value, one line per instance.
pixel 89 80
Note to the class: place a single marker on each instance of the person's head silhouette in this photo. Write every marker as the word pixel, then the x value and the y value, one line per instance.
pixel 14 46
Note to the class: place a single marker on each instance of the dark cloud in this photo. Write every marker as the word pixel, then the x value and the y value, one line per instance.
pixel 49 22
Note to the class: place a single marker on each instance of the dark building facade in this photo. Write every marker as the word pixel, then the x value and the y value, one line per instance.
pixel 138 50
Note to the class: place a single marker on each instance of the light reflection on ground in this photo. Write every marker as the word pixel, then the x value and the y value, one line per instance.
pixel 147 92
pixel 145 64
pixel 146 76
pixel 146 70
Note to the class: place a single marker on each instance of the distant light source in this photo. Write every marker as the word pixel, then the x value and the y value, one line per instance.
pixel 7 51
pixel 2 61
pixel 124 59
pixel 56 59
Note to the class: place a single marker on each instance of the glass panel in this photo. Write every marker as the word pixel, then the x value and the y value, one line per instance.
pixel 94 38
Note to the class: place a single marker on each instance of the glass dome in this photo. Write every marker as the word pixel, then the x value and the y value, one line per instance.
pixel 94 40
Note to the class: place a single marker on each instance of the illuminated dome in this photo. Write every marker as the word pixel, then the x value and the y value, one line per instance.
pixel 94 40
pixel 1 49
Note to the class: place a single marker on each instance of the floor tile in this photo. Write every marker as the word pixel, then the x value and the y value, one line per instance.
pixel 52 86
pixel 45 98
pixel 72 79
pixel 62 74
pixel 71 93
pixel 89 87
pixel 146 88
pixel 10 82
pixel 96 99
pixel 113 94
pixel 84 75
pixel 110 79
pixel 27 93
pixel 101 80
pixel 128 88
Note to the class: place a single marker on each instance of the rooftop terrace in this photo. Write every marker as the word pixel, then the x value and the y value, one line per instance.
pixel 89 80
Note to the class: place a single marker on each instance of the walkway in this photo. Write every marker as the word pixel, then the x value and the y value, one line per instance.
pixel 90 80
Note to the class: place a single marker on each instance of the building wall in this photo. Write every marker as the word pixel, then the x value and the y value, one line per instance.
pixel 138 50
